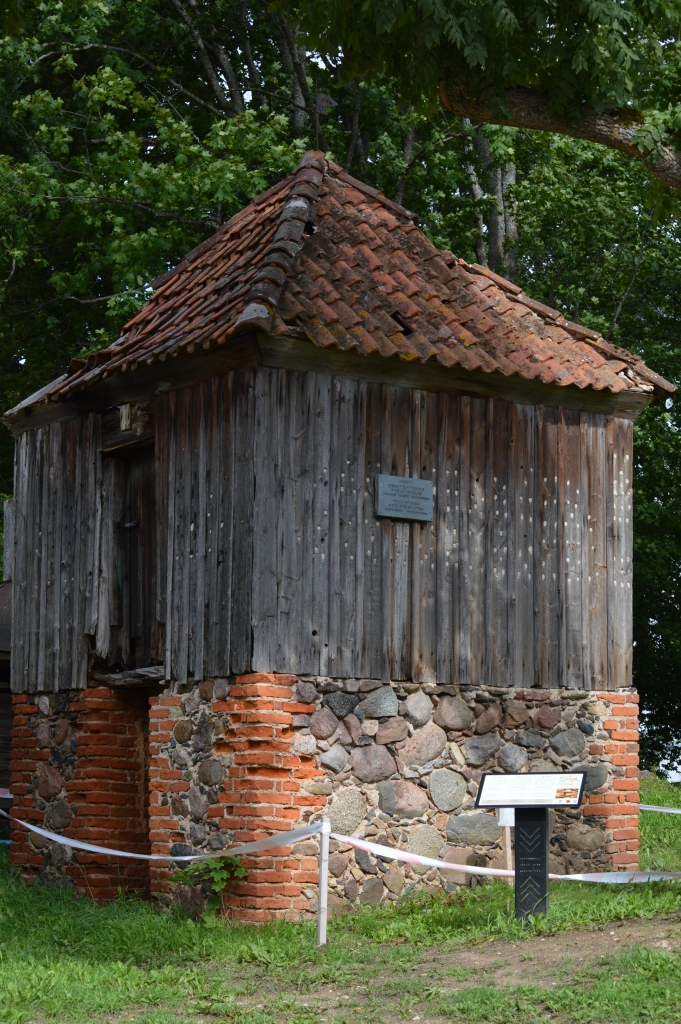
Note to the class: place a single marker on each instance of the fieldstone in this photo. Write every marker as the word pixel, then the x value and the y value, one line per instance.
pixel 373 763
pixel 475 829
pixel 354 727
pixel 419 708
pixel 197 833
pixel 351 889
pixel 206 689
pixel 372 891
pixel 569 743
pixel 341 703
pixel 202 739
pixel 425 745
pixel 319 788
pixel 458 855
pixel 382 703
pixel 337 864
pixel 596 776
pixel 369 727
pixel 512 758
pixel 342 735
pixel 217 842
pixel 50 783
pixel 192 901
pixel 59 815
pixel 198 804
pixel 547 718
pixel 178 806
pixel 447 789
pixel 489 719
pixel 336 758
pixel 211 772
pixel 61 731
pixel 480 748
pixel 60 855
pixel 183 731
pixel 393 880
pixel 516 713
pixel 530 739
pixel 365 863
pixel 585 727
pixel 306 693
pixel 37 842
pixel 221 689
pixel 42 734
pixel 305 743
pixel 347 811
pixel 401 798
pixel 542 766
pixel 191 701
pixel 323 724
pixel 43 703
pixel 392 731
pixel 581 837
pixel 180 850
pixel 425 841
pixel 454 714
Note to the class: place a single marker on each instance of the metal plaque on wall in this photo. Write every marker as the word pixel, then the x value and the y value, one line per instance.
pixel 401 497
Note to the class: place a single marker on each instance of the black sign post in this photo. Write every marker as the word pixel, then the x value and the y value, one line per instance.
pixel 531 861
pixel 531 795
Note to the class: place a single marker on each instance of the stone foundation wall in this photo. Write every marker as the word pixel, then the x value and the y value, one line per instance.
pixel 78 768
pixel 227 760
pixel 399 764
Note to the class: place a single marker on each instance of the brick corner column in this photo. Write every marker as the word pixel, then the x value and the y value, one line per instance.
pixel 619 804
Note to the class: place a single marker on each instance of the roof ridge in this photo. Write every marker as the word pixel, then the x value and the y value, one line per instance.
pixel 339 172
pixel 299 211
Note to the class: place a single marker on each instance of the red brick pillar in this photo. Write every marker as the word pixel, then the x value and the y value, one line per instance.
pixel 620 806
pixel 78 768
pixel 261 791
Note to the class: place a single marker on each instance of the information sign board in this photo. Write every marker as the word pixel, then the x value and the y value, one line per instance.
pixel 537 789
pixel 402 497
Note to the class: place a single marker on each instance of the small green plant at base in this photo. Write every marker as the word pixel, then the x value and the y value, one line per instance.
pixel 217 872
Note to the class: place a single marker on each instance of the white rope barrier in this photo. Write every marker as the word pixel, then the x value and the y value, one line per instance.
pixel 663 810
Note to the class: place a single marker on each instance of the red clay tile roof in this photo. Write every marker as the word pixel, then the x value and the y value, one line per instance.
pixel 323 257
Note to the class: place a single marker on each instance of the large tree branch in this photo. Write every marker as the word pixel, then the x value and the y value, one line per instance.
pixel 614 128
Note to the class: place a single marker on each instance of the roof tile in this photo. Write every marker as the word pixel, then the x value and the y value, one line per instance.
pixel 322 256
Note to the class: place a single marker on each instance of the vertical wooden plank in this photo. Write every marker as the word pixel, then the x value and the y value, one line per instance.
pixel 523 454
pixel 338 421
pixel 224 439
pixel 597 529
pixel 573 511
pixel 444 523
pixel 200 507
pixel 619 444
pixel 415 539
pixel 214 475
pixel 24 472
pixel 464 572
pixel 290 529
pixel 162 455
pixel 266 440
pixel 171 428
pixel 358 484
pixel 180 624
pixel 317 517
pixel 498 513
pixel 426 609
pixel 8 540
pixel 477 541
pixel 351 466
pixel 549 569
pixel 242 548
pixel 91 522
pixel 401 457
pixel 373 657
pixel 71 614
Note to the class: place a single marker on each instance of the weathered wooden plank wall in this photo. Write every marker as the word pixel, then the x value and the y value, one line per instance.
pixel 85 555
pixel 523 578
pixel 58 468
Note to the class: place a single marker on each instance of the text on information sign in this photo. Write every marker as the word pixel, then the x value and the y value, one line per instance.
pixel 401 497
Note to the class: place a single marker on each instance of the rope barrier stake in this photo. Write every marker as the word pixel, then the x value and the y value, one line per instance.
pixel 323 897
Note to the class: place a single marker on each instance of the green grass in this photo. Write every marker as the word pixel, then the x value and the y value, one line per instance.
pixel 660 833
pixel 66 960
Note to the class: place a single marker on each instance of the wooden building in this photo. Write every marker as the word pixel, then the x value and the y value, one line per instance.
pixel 202 578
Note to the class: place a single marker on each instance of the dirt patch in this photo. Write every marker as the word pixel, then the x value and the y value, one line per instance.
pixel 536 961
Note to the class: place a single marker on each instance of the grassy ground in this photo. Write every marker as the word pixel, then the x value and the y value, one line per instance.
pixel 64 960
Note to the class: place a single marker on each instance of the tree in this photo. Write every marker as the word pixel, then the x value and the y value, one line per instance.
pixel 602 71
pixel 130 132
